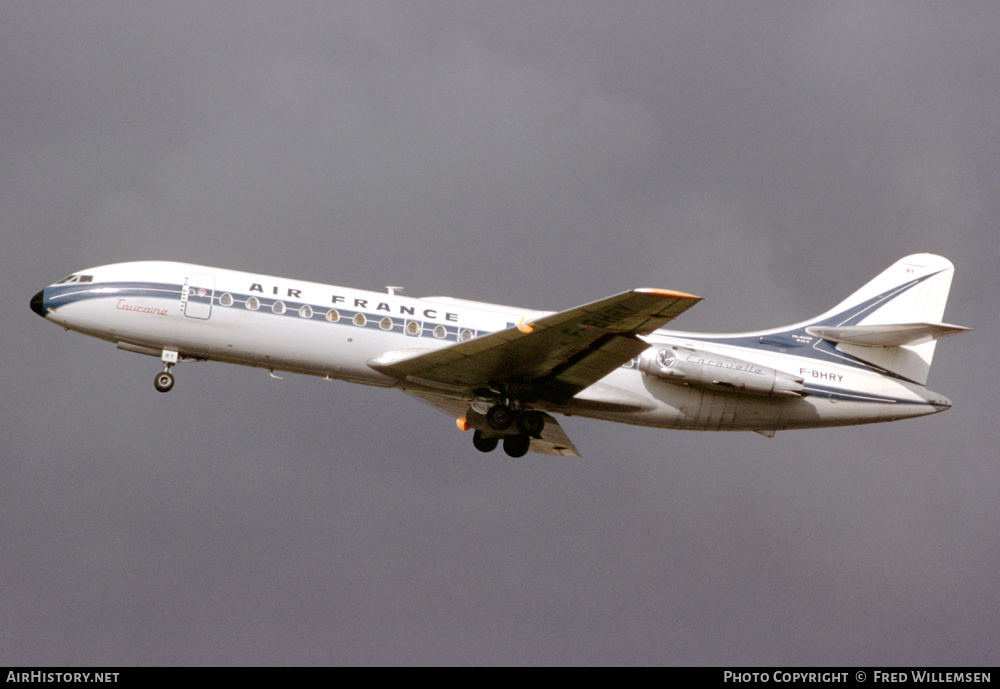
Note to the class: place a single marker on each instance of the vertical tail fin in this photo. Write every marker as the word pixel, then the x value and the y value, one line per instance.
pixel 893 322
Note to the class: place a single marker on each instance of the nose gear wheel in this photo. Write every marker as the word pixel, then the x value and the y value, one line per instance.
pixel 164 381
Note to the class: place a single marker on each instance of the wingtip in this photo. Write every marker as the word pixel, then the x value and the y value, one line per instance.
pixel 668 293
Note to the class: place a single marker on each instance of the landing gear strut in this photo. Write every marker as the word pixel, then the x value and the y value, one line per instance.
pixel 165 380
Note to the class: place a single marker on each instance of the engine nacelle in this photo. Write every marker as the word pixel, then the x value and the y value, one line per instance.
pixel 699 368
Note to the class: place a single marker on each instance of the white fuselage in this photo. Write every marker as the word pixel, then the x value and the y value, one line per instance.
pixel 334 332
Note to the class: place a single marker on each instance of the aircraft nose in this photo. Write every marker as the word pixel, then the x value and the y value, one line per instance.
pixel 38 303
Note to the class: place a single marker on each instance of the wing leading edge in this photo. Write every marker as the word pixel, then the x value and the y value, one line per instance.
pixel 551 358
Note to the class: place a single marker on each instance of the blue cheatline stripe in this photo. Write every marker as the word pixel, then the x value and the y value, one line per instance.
pixel 849 396
pixel 59 296
pixel 62 295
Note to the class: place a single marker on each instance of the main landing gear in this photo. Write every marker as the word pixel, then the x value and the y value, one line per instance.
pixel 515 428
pixel 514 445
pixel 485 443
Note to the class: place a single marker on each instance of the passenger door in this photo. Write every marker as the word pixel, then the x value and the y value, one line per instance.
pixel 199 291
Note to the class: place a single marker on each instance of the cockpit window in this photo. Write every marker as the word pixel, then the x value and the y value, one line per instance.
pixel 75 278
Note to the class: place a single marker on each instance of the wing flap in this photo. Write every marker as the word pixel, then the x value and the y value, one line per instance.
pixel 554 440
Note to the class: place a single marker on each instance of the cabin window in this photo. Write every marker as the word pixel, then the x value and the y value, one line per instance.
pixel 385 323
pixel 253 303
pixel 360 320
pixel 278 307
pixel 306 311
pixel 333 315
pixel 440 332
pixel 413 328
pixel 465 335
pixel 226 299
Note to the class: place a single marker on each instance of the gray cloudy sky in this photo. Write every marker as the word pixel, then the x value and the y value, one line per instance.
pixel 770 157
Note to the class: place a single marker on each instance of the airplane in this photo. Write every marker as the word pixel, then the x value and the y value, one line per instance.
pixel 503 372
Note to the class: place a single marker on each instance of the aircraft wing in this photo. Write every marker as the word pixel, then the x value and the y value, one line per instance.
pixel 554 440
pixel 551 358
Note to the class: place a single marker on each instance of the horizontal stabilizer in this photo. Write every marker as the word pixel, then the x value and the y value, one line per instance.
pixel 887 335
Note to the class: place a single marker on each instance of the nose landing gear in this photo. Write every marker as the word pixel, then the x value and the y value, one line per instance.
pixel 165 380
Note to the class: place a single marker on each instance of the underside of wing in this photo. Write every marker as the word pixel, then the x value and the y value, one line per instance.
pixel 551 358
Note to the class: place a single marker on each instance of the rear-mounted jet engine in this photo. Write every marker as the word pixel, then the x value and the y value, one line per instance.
pixel 699 368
